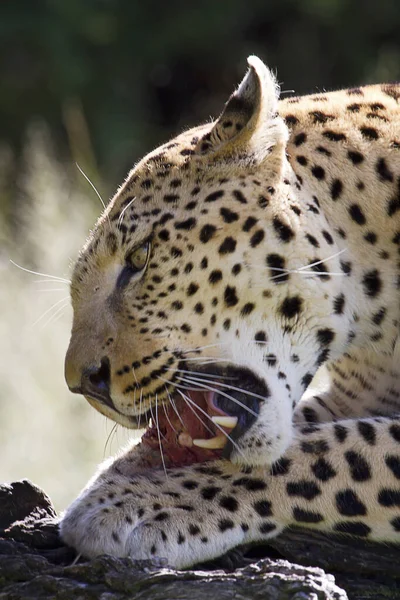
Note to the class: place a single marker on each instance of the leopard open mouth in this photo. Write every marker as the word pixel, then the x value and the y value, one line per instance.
pixel 201 424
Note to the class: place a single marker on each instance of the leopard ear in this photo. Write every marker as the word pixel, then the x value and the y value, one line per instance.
pixel 249 127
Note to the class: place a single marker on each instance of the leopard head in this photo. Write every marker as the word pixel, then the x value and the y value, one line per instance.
pixel 190 305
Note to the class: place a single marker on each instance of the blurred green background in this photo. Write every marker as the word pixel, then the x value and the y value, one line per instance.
pixel 99 83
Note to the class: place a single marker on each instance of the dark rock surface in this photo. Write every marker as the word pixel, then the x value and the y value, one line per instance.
pixel 35 565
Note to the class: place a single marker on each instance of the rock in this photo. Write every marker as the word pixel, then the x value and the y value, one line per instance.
pixel 35 565
pixel 19 499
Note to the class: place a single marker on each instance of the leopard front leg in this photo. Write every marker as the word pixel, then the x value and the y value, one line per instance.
pixel 340 477
pixel 187 515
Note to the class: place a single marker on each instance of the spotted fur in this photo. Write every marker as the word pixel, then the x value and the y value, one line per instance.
pixel 274 238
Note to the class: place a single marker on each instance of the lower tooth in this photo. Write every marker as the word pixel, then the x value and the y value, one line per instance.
pixel 185 440
pixel 215 443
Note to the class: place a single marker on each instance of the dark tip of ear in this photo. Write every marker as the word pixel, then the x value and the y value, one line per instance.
pixel 252 104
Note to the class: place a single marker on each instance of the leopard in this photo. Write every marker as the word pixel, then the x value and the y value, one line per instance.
pixel 234 263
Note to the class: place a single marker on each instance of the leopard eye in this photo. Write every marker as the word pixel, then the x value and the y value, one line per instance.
pixel 137 259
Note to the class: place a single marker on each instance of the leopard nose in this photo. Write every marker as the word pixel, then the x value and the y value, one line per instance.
pixel 95 383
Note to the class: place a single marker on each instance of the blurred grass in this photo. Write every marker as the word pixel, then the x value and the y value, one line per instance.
pixel 46 433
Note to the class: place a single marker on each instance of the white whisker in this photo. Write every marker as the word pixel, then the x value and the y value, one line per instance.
pixel 194 412
pixel 204 347
pixel 55 316
pixel 168 419
pixel 317 273
pixel 53 277
pixel 217 426
pixel 305 275
pixel 92 185
pixel 206 358
pixel 75 561
pixel 113 428
pixel 318 262
pixel 65 299
pixel 140 406
pixel 51 281
pixel 225 385
pixel 200 374
pixel 202 387
pixel 174 406
pixel 177 385
pixel 151 414
pixel 300 270
pixel 211 389
pixel 121 216
pixel 159 440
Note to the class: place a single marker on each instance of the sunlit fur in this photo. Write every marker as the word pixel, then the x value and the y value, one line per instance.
pixel 274 235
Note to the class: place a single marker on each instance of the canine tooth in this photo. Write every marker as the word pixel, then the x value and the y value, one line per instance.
pixel 229 422
pixel 215 443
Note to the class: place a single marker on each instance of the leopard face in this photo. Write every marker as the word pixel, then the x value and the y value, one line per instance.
pixel 199 290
